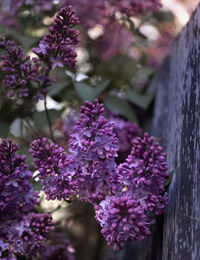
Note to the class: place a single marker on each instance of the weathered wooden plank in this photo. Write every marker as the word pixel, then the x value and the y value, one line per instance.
pixel 176 124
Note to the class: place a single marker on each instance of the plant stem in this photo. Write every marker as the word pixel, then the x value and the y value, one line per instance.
pixel 48 117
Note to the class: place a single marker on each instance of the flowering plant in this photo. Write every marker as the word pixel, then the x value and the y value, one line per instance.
pixel 54 55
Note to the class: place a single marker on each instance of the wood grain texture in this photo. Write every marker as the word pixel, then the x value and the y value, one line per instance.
pixel 176 124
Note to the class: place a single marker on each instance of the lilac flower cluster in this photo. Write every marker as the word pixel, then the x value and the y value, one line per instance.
pixel 87 171
pixel 115 40
pixel 16 194
pixel 40 5
pixel 27 236
pixel 29 77
pixel 138 7
pixel 22 74
pixel 56 47
pixel 126 197
pixel 58 247
pixel 8 11
pixel 94 147
pixel 141 179
pixel 11 6
pixel 95 11
pixel 21 232
pixel 125 131
pixel 122 220
pixel 55 169
pixel 144 174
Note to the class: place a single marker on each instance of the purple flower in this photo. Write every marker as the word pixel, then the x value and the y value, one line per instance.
pixel 93 134
pixel 122 220
pixel 21 232
pixel 56 47
pixel 138 7
pixel 22 75
pixel 115 40
pixel 56 169
pixel 58 247
pixel 126 132
pixel 16 193
pixel 126 197
pixel 7 20
pixel 40 5
pixel 11 6
pixel 27 237
pixel 94 147
pixel 10 9
pixel 88 170
pixel 95 11
pixel 144 174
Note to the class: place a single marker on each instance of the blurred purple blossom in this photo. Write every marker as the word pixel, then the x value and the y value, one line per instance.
pixel 94 11
pixel 115 40
pixel 40 5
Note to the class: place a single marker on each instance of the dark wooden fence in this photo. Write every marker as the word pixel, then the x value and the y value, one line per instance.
pixel 176 124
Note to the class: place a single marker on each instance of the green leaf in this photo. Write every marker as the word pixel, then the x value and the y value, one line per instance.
pixel 85 91
pixel 122 107
pixel 145 72
pixel 37 186
pixel 26 41
pixel 101 87
pixel 142 101
pixel 40 119
pixel 120 69
pixel 57 87
pixel 4 129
